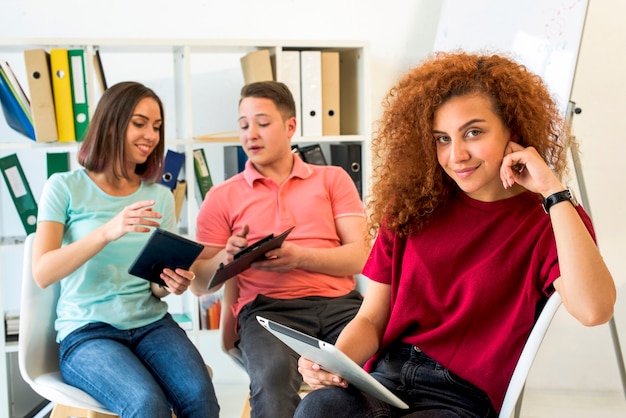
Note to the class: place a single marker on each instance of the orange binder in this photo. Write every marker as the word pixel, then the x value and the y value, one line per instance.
pixel 257 66
pixel 62 88
pixel 330 93
pixel 37 62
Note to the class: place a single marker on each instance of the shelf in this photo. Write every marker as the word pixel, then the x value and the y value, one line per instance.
pixel 199 82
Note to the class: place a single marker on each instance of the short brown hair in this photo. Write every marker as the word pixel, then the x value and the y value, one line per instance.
pixel 275 91
pixel 103 146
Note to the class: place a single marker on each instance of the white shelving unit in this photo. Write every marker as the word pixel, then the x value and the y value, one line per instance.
pixel 199 82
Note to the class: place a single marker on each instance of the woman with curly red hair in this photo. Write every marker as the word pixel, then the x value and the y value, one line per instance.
pixel 474 231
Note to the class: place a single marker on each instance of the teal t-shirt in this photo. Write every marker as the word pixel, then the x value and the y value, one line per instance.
pixel 101 290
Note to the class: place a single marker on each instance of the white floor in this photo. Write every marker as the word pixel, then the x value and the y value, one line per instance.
pixel 536 404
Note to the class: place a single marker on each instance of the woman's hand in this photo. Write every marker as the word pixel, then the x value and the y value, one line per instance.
pixel 133 218
pixel 318 378
pixel 177 281
pixel 527 168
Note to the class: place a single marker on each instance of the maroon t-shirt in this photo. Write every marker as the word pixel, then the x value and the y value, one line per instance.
pixel 467 288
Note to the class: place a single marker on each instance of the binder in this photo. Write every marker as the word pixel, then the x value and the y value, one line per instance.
pixel 97 65
pixel 180 191
pixel 348 156
pixel 331 114
pixel 313 154
pixel 203 175
pixel 62 93
pixel 37 63
pixel 16 89
pixel 80 104
pixel 257 66
pixel 20 191
pixel 172 164
pixel 295 149
pixel 234 160
pixel 311 90
pixel 57 162
pixel 13 111
pixel 289 73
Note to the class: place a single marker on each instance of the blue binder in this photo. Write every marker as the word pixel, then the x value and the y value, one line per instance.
pixel 13 112
pixel 171 168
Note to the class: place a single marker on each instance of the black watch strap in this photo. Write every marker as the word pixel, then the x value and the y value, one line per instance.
pixel 558 197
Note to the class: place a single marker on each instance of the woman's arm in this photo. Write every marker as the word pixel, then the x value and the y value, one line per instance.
pixel 359 340
pixel 52 262
pixel 586 285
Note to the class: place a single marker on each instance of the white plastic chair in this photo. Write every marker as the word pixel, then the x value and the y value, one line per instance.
pixel 38 349
pixel 513 398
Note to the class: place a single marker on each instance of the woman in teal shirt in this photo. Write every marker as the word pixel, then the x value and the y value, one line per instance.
pixel 117 341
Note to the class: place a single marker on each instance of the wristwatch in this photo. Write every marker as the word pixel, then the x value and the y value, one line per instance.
pixel 558 197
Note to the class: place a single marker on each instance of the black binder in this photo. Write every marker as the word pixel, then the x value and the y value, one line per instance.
pixel 348 156
pixel 313 154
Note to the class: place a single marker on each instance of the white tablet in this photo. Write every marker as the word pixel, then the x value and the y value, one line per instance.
pixel 332 360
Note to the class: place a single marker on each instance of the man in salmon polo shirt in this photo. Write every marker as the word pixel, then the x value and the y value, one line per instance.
pixel 308 283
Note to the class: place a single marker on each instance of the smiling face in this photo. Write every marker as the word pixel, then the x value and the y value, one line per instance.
pixel 264 134
pixel 142 133
pixel 471 140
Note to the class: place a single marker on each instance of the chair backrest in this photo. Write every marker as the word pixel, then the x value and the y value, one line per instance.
pixel 37 348
pixel 518 380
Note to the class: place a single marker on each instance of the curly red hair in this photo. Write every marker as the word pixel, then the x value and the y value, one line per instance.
pixel 408 182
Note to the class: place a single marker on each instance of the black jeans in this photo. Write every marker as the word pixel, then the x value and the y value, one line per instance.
pixel 271 365
pixel 430 390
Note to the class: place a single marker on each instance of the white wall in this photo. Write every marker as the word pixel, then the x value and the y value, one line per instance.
pixel 401 32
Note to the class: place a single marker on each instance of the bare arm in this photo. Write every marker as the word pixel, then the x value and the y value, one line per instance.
pixel 51 262
pixel 349 258
pixel 210 259
pixel 586 285
pixel 359 340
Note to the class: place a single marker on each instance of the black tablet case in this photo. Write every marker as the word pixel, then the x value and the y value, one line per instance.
pixel 247 256
pixel 164 249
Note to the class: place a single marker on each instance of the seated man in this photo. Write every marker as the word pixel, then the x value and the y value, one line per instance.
pixel 308 282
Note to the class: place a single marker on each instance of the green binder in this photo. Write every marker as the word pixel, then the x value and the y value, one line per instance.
pixel 203 175
pixel 57 162
pixel 20 191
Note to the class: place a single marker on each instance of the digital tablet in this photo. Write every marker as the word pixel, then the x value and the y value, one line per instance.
pixel 250 254
pixel 164 249
pixel 331 359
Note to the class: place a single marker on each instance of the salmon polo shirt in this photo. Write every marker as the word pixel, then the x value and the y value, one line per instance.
pixel 312 198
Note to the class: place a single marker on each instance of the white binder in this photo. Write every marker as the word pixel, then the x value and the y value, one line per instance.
pixel 290 75
pixel 311 83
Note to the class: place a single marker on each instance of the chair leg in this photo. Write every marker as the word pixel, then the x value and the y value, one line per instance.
pixel 64 411
pixel 518 404
pixel 246 407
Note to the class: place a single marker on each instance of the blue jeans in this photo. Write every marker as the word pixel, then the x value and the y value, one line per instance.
pixel 271 365
pixel 430 390
pixel 143 372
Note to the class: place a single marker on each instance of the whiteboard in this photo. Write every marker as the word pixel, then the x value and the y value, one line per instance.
pixel 544 35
